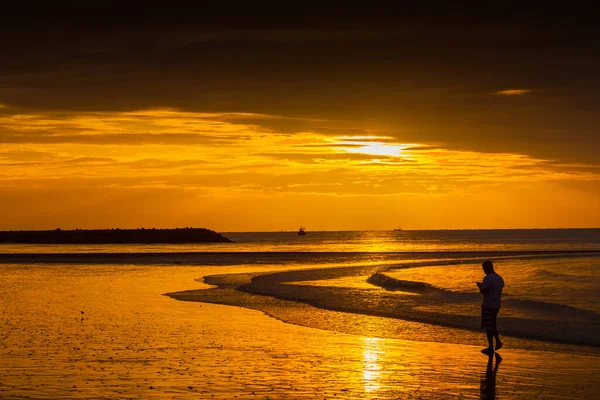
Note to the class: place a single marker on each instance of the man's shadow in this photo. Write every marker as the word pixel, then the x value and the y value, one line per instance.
pixel 488 380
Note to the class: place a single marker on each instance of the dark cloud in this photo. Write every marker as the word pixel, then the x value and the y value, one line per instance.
pixel 125 139
pixel 425 75
pixel 27 155
pixel 87 161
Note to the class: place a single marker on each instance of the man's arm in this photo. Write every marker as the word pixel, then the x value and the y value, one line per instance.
pixel 482 289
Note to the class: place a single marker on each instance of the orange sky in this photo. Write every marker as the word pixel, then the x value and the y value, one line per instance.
pixel 332 118
pixel 232 172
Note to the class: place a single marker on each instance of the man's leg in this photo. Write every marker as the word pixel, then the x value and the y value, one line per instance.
pixel 488 322
pixel 490 338
pixel 498 342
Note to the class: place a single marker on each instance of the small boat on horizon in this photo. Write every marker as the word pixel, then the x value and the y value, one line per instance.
pixel 301 232
pixel 398 230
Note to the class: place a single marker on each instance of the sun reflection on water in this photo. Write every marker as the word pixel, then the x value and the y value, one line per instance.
pixel 371 366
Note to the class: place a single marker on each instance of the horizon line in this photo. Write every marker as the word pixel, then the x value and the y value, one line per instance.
pixel 316 230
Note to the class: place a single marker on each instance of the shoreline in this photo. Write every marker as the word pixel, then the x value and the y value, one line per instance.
pixel 348 321
pixel 263 257
pixel 271 285
pixel 278 288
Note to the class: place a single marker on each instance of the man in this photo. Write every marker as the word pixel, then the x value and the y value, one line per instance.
pixel 491 289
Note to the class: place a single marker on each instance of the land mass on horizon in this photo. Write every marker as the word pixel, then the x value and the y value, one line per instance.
pixel 114 236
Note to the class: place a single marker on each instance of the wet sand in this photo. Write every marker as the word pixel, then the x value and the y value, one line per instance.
pixel 131 342
pixel 243 353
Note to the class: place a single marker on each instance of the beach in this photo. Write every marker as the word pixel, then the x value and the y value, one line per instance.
pixel 288 202
pixel 108 331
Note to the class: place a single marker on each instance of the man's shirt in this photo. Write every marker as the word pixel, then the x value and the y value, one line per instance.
pixel 494 284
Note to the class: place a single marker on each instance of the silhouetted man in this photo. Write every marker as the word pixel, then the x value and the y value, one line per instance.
pixel 491 289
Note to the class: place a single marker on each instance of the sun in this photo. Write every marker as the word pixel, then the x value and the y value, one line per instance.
pixel 372 145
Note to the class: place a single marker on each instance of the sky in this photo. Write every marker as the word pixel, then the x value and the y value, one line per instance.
pixel 272 118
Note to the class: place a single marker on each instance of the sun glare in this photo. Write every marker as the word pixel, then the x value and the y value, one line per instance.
pixel 373 145
pixel 371 366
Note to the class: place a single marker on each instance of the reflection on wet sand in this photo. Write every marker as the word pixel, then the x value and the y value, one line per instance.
pixel 135 343
pixel 371 368
pixel 488 380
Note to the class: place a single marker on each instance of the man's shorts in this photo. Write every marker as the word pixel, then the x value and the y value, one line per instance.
pixel 488 317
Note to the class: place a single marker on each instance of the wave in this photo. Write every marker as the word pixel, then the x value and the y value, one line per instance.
pixel 544 274
pixel 547 310
pixel 402 300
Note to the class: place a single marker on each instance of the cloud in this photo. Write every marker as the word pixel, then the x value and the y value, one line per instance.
pixel 275 36
pixel 191 164
pixel 123 139
pixel 225 152
pixel 513 92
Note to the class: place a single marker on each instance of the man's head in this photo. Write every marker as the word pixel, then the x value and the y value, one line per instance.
pixel 488 267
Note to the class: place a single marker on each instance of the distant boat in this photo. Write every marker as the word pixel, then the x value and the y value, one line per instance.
pixel 301 232
pixel 398 230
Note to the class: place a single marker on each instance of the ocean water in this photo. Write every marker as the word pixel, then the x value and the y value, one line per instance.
pixel 359 241
pixel 425 277
pixel 566 280
pixel 95 319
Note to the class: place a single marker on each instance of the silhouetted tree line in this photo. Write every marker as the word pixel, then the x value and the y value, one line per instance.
pixel 100 236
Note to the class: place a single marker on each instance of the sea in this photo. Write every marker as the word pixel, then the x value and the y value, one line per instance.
pixel 57 301
pixel 358 241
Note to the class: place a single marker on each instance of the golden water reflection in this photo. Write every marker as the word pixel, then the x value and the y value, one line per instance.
pixel 371 367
